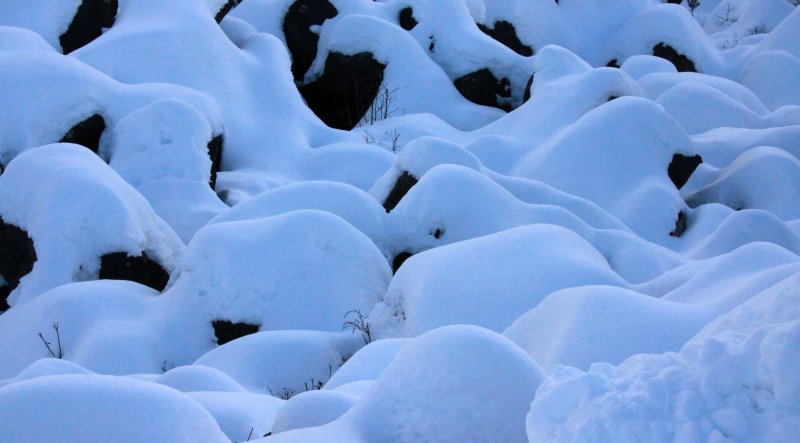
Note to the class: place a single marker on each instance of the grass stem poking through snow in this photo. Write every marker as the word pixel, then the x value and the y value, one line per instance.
pixel 358 323
pixel 47 343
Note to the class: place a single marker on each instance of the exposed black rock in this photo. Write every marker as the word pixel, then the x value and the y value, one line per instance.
pixel 226 9
pixel 4 292
pixel 17 256
pixel 300 40
pixel 677 2
pixel 613 63
pixel 345 91
pixel 88 23
pixel 681 168
pixel 399 259
pixel 87 133
pixel 407 20
pixel 139 269
pixel 527 95
pixel 437 234
pixel 403 184
pixel 483 88
pixel 227 331
pixel 680 225
pixel 681 62
pixel 505 33
pixel 215 154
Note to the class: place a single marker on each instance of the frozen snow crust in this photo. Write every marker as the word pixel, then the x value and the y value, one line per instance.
pixel 399 221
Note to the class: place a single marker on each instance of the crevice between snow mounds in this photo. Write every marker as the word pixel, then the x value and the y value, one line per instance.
pixel 401 187
pixel 406 19
pixel 17 256
pixel 215 154
pixel 88 23
pixel 681 168
pixel 227 331
pixel 87 133
pixel 483 88
pixel 140 269
pixel 681 62
pixel 346 89
pixel 300 39
pixel 505 33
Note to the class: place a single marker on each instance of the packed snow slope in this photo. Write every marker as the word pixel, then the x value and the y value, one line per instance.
pixel 399 221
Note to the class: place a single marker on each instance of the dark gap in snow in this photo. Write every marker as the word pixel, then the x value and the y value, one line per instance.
pixel 90 19
pixel 226 9
pixel 4 292
pixel 505 33
pixel 681 168
pixel 677 2
pixel 139 269
pixel 399 259
pixel 17 255
pixel 483 88
pixel 300 39
pixel 527 94
pixel 407 20
pixel 611 98
pixel 215 154
pixel 681 62
pixel 87 133
pixel 432 45
pixel 403 184
pixel 227 331
pixel 680 225
pixel 347 88
pixel 437 234
pixel 613 63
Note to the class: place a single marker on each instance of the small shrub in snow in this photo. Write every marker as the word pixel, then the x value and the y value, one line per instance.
pixel 60 353
pixel 358 323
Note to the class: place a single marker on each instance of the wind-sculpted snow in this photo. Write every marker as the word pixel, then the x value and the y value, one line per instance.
pixel 399 220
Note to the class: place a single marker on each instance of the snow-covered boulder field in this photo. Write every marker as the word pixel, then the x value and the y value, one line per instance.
pixel 374 221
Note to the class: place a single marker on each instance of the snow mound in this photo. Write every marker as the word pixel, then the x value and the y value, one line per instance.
pixel 66 408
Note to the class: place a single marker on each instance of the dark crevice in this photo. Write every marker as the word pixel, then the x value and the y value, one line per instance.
pixel 483 88
pixel 403 184
pixel 139 269
pixel 227 331
pixel 406 19
pixel 17 256
pixel 681 168
pixel 680 225
pixel 399 259
pixel 301 41
pixel 527 94
pixel 681 62
pixel 437 234
pixel 505 33
pixel 346 89
pixel 4 292
pixel 613 63
pixel 226 9
pixel 215 154
pixel 88 23
pixel 87 133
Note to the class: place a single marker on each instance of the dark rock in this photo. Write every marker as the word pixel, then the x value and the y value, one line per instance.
pixel 215 154
pixel 90 19
pixel 437 234
pixel 407 20
pixel 681 62
pixel 505 33
pixel 399 259
pixel 300 40
pixel 432 45
pixel 226 9
pixel 613 63
pixel 680 225
pixel 139 269
pixel 681 168
pixel 483 88
pixel 227 331
pixel 17 256
pixel 403 184
pixel 677 2
pixel 345 91
pixel 527 95
pixel 4 292
pixel 87 133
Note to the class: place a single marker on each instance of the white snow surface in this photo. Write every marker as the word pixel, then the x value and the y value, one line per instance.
pixel 540 267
